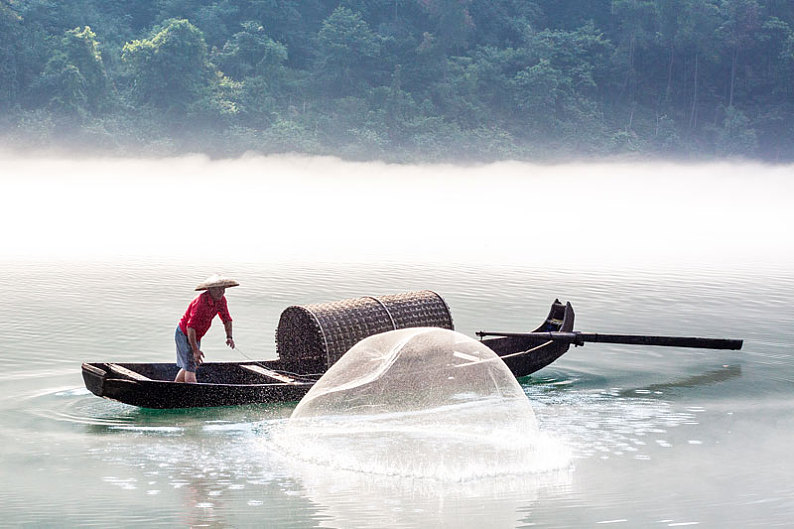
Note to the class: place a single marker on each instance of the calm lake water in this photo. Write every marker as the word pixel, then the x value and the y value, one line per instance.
pixel 99 258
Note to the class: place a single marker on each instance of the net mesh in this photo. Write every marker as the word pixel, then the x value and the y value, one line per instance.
pixel 319 334
pixel 422 402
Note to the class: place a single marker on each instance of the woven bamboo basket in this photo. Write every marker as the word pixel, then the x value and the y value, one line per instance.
pixel 319 334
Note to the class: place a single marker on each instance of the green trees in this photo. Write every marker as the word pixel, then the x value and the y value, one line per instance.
pixel 346 51
pixel 740 22
pixel 10 38
pixel 170 70
pixel 257 61
pixel 74 81
pixel 451 24
pixel 251 52
pixel 557 93
pixel 736 137
pixel 435 79
pixel 697 56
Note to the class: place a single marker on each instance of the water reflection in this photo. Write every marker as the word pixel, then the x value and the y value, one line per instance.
pixel 357 499
pixel 216 472
pixel 219 467
pixel 202 503
pixel 667 389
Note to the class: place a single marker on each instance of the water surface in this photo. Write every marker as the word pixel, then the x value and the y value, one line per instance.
pixel 99 258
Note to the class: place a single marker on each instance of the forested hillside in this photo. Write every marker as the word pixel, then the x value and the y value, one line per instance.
pixel 401 80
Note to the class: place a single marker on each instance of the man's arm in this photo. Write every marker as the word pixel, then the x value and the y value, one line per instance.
pixel 198 355
pixel 227 325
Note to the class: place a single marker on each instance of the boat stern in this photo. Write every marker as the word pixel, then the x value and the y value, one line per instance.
pixel 94 378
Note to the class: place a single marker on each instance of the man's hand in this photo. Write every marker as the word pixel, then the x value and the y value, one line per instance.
pixel 230 341
pixel 198 357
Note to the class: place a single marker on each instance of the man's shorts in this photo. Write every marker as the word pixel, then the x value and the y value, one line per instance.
pixel 184 354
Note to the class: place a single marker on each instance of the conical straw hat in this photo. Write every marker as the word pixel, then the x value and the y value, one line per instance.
pixel 216 280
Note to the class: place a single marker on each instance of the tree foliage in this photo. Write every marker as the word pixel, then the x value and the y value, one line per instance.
pixel 252 53
pixel 170 69
pixel 346 50
pixel 404 79
pixel 74 80
pixel 10 40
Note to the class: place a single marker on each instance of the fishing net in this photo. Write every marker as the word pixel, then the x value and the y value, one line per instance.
pixel 423 402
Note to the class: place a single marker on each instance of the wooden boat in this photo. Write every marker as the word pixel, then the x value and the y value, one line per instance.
pixel 150 385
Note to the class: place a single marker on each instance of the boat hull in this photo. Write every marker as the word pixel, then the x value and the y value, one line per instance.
pixel 163 395
pixel 223 384
pixel 524 356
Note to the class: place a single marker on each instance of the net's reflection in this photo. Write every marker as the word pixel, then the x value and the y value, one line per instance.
pixel 366 500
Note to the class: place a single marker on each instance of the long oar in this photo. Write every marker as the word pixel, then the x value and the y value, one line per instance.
pixel 579 338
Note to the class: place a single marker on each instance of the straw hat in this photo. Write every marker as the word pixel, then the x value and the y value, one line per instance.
pixel 217 281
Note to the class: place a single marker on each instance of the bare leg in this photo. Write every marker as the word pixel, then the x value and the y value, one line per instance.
pixel 186 376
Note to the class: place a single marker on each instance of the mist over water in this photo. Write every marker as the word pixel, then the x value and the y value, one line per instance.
pixel 99 258
pixel 292 208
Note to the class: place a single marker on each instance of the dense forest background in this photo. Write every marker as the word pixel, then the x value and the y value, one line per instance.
pixel 401 80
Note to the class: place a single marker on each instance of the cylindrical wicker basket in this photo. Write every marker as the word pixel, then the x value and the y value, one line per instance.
pixel 319 334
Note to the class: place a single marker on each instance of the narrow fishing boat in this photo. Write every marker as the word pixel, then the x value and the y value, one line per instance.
pixel 309 340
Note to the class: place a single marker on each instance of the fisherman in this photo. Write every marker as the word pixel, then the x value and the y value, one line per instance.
pixel 196 322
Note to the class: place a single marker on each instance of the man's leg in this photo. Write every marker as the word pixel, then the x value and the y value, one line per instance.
pixel 184 357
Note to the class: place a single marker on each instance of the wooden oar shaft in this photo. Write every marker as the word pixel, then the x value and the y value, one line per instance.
pixel 579 338
pixel 671 341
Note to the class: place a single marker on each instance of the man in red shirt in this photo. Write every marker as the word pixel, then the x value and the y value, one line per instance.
pixel 196 322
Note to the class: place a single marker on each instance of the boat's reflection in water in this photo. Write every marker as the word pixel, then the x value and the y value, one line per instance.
pixel 715 376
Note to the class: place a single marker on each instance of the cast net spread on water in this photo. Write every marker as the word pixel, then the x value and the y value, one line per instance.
pixel 422 402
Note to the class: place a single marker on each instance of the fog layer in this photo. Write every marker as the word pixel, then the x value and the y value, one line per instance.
pixel 325 209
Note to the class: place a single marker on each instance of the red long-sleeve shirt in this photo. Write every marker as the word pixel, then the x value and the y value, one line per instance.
pixel 200 313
